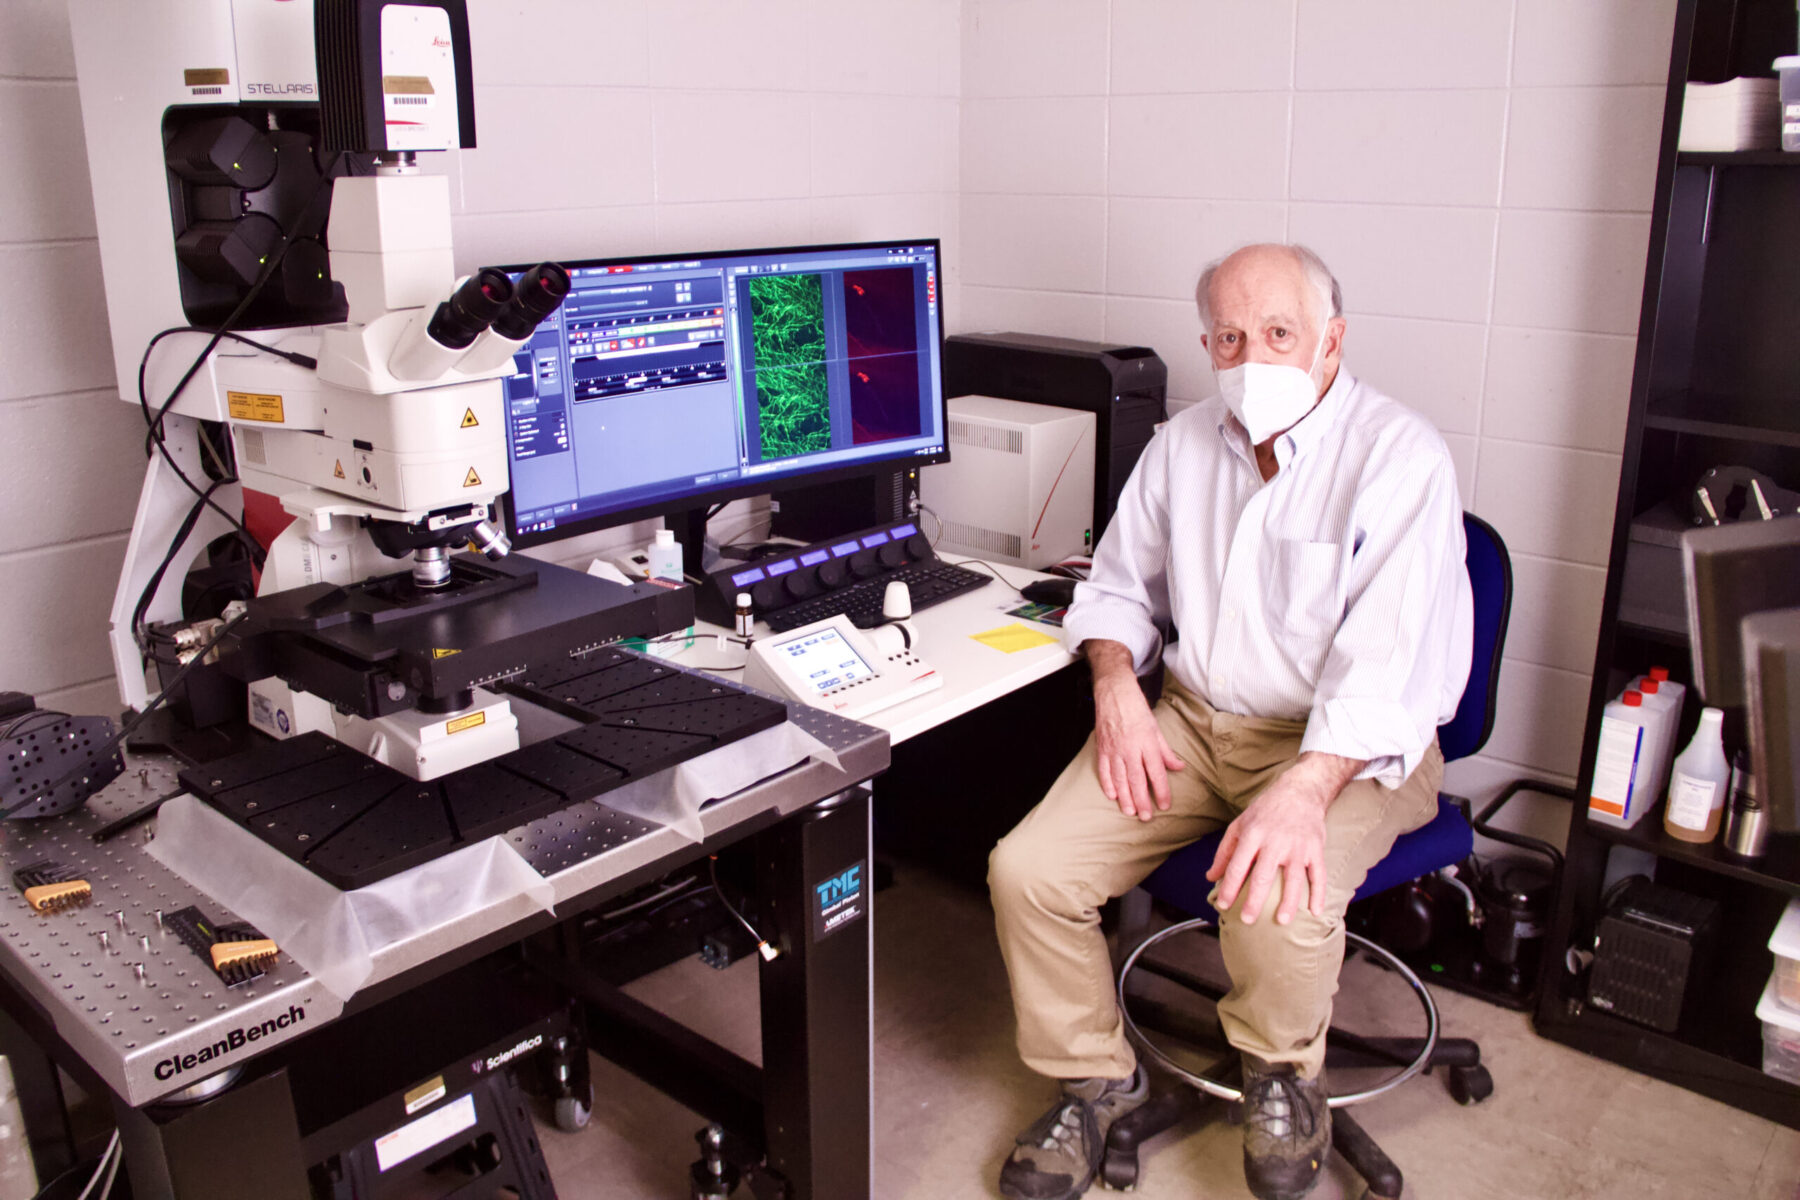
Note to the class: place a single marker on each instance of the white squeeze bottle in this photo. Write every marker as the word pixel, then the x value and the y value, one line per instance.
pixel 1659 736
pixel 1621 773
pixel 1697 788
pixel 665 557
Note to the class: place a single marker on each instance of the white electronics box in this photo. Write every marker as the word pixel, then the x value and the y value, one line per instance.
pixel 1019 486
pixel 835 666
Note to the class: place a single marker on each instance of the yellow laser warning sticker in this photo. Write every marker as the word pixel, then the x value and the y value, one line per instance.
pixel 337 469
pixel 469 421
pixel 472 479
pixel 440 652
pixel 205 76
pixel 468 722
pixel 255 406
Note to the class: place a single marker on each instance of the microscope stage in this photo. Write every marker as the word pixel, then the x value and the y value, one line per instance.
pixel 383 645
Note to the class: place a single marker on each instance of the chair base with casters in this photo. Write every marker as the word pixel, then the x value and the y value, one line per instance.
pixel 1468 1080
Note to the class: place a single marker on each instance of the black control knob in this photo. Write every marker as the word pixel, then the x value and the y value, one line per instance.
pixel 800 584
pixel 918 547
pixel 766 595
pixel 864 565
pixel 831 574
pixel 892 555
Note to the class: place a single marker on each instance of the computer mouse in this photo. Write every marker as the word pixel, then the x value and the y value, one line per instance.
pixel 1050 591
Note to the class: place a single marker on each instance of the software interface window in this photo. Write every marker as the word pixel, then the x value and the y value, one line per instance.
pixel 662 377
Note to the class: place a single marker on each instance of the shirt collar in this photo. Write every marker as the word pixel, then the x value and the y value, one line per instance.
pixel 1305 434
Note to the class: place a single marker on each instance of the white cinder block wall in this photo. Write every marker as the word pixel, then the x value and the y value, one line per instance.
pixel 71 454
pixel 1479 176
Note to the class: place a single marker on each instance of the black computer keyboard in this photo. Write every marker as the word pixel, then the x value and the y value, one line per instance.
pixel 929 582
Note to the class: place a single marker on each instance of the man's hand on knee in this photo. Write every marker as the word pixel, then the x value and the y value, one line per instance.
pixel 1282 834
pixel 1131 755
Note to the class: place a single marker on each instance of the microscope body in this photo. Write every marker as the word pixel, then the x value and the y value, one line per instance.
pixel 301 208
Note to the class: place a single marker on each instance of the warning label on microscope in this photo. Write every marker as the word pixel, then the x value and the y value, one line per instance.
pixel 838 902
pixel 255 406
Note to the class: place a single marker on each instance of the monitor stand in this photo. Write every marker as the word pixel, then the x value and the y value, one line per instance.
pixel 690 530
pixel 810 514
pixel 823 510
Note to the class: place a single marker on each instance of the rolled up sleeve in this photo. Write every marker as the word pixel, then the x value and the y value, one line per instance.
pixel 1401 652
pixel 1125 598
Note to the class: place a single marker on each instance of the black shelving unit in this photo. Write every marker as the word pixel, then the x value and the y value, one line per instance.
pixel 1716 381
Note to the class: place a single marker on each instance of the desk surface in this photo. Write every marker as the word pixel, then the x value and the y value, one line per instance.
pixel 974 672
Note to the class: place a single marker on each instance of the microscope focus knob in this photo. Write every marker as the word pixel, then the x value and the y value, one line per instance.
pixel 831 574
pixel 864 565
pixel 918 546
pixel 800 584
pixel 892 555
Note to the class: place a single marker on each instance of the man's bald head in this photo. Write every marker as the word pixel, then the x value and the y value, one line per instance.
pixel 1265 258
pixel 1272 304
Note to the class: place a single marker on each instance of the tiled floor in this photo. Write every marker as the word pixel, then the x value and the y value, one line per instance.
pixel 950 1094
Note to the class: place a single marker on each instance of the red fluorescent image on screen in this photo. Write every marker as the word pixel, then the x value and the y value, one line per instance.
pixel 881 327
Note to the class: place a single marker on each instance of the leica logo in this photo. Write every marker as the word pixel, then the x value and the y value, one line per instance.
pixel 440 43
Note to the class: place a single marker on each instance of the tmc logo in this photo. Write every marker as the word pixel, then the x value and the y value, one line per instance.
pixel 840 888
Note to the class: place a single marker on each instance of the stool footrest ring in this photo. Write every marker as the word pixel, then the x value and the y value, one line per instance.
pixel 1224 1092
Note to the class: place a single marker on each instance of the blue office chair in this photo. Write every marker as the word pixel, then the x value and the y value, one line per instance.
pixel 1444 841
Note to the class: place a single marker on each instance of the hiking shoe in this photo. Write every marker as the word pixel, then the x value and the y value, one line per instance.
pixel 1287 1130
pixel 1057 1158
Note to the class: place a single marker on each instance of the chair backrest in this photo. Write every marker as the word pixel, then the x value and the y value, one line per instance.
pixel 1490 582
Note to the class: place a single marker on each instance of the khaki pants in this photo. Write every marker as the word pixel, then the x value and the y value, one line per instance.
pixel 1076 850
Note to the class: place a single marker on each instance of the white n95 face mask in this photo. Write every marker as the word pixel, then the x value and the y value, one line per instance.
pixel 1267 398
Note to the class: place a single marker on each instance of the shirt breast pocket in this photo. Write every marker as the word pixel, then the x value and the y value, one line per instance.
pixel 1305 591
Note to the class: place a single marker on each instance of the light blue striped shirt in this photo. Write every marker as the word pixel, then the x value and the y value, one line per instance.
pixel 1333 594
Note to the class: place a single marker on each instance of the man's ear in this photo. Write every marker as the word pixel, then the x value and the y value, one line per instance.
pixel 1334 335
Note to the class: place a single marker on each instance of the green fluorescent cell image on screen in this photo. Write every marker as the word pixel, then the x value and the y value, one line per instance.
pixel 787 331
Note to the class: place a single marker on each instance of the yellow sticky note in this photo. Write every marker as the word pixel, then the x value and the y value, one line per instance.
pixel 1013 638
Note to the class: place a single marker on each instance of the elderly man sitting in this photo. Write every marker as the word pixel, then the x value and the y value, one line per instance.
pixel 1304 533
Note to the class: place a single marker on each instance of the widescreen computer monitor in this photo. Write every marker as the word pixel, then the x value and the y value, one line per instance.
pixel 672 382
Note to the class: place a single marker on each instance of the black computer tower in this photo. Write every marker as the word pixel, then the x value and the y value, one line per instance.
pixel 1125 387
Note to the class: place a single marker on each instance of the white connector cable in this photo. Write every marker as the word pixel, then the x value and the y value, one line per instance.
pixel 110 1158
pixel 768 952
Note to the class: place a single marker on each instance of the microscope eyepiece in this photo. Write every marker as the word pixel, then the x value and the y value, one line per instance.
pixel 538 293
pixel 470 309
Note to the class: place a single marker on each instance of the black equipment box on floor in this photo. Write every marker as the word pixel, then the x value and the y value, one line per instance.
pixel 1650 949
pixel 1125 387
pixel 419 1097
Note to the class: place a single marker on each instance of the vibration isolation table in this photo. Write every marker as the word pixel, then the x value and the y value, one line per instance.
pixel 108 991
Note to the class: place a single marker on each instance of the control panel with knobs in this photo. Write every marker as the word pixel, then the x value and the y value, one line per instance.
pixel 808 573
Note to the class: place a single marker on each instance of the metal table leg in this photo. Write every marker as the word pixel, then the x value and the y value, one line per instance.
pixel 814 887
pixel 242 1142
